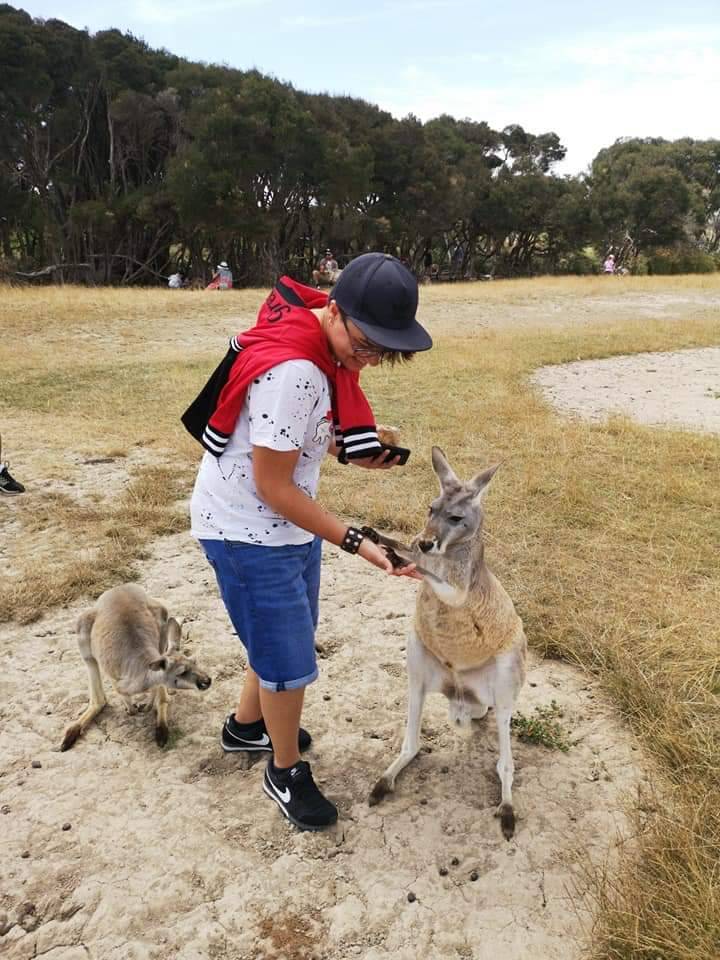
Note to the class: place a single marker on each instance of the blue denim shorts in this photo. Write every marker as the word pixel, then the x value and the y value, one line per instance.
pixel 271 596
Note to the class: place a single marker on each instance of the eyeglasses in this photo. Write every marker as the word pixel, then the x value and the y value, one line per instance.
pixel 363 348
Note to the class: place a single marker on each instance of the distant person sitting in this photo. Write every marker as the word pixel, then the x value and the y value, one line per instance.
pixel 222 278
pixel 9 487
pixel 176 281
pixel 609 265
pixel 327 271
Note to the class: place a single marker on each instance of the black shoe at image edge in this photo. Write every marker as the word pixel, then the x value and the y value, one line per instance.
pixel 8 485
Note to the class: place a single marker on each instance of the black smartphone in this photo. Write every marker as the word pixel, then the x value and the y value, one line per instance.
pixel 389 452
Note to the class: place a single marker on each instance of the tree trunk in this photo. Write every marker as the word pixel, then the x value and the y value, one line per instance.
pixel 111 153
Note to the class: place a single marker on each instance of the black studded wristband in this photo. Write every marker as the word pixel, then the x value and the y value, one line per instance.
pixel 352 540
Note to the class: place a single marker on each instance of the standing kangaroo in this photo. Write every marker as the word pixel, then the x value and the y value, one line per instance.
pixel 133 639
pixel 468 642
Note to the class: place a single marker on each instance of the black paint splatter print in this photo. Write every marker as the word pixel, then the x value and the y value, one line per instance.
pixel 287 409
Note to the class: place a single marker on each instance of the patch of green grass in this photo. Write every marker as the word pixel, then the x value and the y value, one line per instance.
pixel 542 728
pixel 175 735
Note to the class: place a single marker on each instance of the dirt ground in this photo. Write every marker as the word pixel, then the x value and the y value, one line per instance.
pixel 119 850
pixel 178 854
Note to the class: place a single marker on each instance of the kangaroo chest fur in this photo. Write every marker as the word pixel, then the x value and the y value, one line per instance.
pixel 468 636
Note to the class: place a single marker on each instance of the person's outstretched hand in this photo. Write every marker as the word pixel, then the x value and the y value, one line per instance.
pixel 376 555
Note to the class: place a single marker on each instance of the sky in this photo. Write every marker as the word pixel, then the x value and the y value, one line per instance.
pixel 589 72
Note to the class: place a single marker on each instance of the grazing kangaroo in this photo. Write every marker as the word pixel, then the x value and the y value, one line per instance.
pixel 135 641
pixel 468 642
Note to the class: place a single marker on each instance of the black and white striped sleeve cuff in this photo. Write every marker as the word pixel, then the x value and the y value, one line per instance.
pixel 361 442
pixel 214 441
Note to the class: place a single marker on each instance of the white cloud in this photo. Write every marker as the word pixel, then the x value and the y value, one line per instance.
pixel 409 5
pixel 332 19
pixel 156 12
pixel 664 51
pixel 589 93
pixel 319 21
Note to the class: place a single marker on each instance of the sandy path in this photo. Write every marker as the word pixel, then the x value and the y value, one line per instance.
pixel 678 389
pixel 178 854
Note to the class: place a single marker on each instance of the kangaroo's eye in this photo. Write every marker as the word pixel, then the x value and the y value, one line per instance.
pixel 455 519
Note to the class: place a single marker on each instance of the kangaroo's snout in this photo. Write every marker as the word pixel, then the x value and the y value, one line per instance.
pixel 426 545
pixel 203 683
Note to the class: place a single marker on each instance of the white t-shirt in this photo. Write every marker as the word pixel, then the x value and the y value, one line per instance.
pixel 287 408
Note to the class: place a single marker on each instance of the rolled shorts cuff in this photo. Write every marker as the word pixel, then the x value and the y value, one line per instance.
pixel 271 596
pixel 282 685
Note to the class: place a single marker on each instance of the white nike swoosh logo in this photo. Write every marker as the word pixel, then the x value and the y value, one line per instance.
pixel 283 794
pixel 262 742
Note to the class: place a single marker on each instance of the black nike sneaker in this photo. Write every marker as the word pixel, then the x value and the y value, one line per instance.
pixel 253 737
pixel 9 486
pixel 298 796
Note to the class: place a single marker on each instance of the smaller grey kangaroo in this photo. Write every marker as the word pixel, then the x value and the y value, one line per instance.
pixel 468 642
pixel 133 639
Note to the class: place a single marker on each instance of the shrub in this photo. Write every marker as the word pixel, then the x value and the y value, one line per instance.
pixel 582 263
pixel 682 260
pixel 641 267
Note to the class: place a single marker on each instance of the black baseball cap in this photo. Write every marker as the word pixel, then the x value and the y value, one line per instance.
pixel 380 295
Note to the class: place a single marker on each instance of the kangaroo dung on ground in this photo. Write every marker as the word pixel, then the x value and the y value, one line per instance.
pixel 468 642
pixel 135 641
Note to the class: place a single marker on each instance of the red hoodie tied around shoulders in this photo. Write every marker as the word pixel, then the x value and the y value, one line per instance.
pixel 286 329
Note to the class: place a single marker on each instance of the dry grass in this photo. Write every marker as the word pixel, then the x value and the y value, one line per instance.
pixel 517 291
pixel 606 535
pixel 85 546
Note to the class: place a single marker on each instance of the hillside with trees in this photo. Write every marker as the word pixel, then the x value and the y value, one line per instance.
pixel 119 163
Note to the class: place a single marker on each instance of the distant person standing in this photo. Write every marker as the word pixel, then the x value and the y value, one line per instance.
pixel 609 265
pixel 427 261
pixel 222 278
pixel 327 270
pixel 9 487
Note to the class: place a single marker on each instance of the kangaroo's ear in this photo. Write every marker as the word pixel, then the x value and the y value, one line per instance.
pixel 480 483
pixel 159 664
pixel 159 610
pixel 172 634
pixel 445 473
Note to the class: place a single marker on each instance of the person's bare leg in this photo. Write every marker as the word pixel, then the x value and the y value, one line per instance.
pixel 248 709
pixel 282 718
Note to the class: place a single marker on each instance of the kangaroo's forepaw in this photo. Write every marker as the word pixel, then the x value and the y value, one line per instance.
pixel 381 789
pixel 507 820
